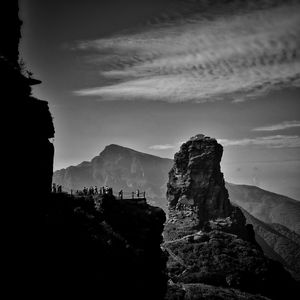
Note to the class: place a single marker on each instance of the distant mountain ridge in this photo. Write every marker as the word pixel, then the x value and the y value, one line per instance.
pixel 278 243
pixel 266 206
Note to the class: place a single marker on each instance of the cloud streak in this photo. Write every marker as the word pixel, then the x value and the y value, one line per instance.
pixel 274 141
pixel 162 147
pixel 201 57
pixel 281 126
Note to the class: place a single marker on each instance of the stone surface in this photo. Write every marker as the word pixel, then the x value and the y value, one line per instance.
pixel 196 182
pixel 196 193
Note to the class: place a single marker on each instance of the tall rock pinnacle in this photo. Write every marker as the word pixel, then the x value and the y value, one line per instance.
pixel 207 238
pixel 196 183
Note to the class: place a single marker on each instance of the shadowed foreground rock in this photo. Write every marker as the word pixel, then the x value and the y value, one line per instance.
pixel 211 249
pixel 109 248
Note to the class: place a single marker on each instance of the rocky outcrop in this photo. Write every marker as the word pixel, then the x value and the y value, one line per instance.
pixel 224 260
pixel 196 182
pixel 207 238
pixel 196 192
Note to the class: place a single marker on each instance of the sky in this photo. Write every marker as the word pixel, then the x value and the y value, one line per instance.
pixel 149 74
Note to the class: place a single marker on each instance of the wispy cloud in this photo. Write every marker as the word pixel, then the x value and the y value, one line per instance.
pixel 162 147
pixel 280 126
pixel 274 141
pixel 202 57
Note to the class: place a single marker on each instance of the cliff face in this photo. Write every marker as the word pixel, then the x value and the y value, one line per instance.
pixel 30 122
pixel 28 128
pixel 207 238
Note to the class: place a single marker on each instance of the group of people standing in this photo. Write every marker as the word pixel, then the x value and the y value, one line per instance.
pixel 104 190
pixel 93 190
pixel 56 188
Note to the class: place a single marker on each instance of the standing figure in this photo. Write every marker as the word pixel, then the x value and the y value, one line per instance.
pixel 121 194
pixel 54 188
pixel 91 190
pixel 106 190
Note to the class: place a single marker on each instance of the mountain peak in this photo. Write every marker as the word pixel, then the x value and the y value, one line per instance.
pixel 200 137
pixel 114 146
pixel 116 149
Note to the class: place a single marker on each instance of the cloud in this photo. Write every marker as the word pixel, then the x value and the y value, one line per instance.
pixel 201 57
pixel 274 141
pixel 281 126
pixel 162 147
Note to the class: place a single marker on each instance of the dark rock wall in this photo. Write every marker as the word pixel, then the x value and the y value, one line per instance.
pixel 27 160
pixel 10 31
pixel 29 120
